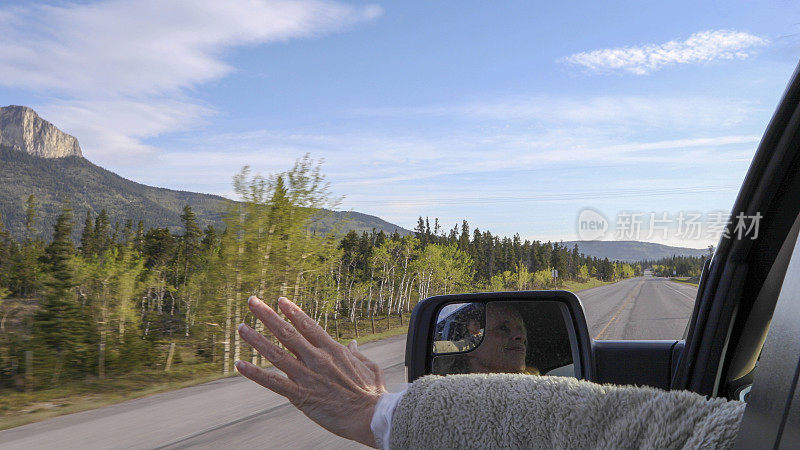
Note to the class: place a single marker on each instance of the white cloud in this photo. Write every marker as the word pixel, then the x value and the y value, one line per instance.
pixel 671 113
pixel 127 64
pixel 372 166
pixel 113 129
pixel 701 47
pixel 124 47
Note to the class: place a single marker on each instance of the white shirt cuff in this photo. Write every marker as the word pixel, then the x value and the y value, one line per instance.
pixel 381 424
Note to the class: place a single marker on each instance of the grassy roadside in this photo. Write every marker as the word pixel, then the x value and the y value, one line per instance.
pixel 20 408
pixel 576 286
pixel 394 331
pixel 693 281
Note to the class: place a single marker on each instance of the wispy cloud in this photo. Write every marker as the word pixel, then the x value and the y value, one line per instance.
pixel 114 130
pixel 504 134
pixel 126 47
pixel 701 47
pixel 120 61
pixel 654 112
pixel 469 172
pixel 375 165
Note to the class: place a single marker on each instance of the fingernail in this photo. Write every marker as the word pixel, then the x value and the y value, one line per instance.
pixel 238 366
pixel 242 327
pixel 282 300
pixel 252 300
pixel 354 344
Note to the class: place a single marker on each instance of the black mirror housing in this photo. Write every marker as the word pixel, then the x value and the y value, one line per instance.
pixel 422 326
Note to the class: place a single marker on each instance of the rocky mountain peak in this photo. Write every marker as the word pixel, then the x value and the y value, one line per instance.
pixel 21 128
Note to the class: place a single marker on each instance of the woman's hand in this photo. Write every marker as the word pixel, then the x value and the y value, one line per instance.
pixel 335 386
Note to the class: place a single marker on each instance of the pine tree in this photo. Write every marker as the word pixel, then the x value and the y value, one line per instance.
pixel 419 231
pixel 188 265
pixel 6 253
pixel 87 236
pixel 463 239
pixel 189 242
pixel 138 238
pixel 61 324
pixel 30 217
pixel 26 273
pixel 102 232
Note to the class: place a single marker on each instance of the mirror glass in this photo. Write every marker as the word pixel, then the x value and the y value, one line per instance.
pixel 504 337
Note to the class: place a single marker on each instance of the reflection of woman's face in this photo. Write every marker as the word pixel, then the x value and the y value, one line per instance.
pixel 474 327
pixel 504 343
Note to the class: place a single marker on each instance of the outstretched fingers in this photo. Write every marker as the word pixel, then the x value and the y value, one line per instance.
pixel 307 326
pixel 279 358
pixel 283 330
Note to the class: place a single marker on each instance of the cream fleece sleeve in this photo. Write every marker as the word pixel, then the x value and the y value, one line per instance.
pixel 522 411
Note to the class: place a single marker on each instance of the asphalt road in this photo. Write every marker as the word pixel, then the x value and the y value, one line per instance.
pixel 234 412
pixel 638 308
pixel 228 413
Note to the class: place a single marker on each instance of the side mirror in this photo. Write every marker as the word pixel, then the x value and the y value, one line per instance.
pixel 533 332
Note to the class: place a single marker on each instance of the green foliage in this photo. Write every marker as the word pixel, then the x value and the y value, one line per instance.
pixel 61 330
pixel 680 266
pixel 583 272
pixel 117 303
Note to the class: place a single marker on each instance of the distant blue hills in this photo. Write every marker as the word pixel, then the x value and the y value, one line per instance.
pixel 632 251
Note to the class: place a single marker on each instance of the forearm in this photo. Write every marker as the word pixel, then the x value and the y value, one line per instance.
pixel 520 411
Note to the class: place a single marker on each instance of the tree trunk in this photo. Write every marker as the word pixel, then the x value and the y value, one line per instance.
pixel 28 371
pixel 213 348
pixel 226 359
pixel 121 329
pixel 57 367
pixel 238 286
pixel 101 348
pixel 236 338
pixel 188 312
pixel 101 354
pixel 169 357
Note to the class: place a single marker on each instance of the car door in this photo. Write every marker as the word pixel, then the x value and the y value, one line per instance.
pixel 772 416
pixel 735 289
pixel 743 341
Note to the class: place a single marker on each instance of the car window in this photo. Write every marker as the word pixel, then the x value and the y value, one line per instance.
pixel 163 161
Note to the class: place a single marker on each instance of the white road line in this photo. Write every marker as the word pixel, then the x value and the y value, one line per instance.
pixel 679 292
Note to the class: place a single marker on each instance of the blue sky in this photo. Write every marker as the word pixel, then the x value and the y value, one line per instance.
pixel 512 115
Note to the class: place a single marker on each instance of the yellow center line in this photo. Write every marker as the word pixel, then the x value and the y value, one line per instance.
pixel 633 294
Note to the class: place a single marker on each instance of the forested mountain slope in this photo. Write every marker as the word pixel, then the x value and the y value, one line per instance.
pixel 87 185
